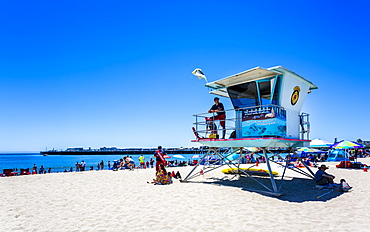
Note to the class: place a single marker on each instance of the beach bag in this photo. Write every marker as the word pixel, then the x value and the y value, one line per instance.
pixel 344 164
pixel 213 136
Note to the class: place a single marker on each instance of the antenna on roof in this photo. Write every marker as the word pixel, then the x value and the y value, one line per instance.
pixel 199 73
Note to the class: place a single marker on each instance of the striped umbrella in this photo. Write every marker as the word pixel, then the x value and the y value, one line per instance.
pixel 307 149
pixel 252 149
pixel 347 145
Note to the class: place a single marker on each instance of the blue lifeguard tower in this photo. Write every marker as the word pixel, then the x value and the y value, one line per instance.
pixel 266 113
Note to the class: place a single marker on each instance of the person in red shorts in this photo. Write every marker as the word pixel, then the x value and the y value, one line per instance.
pixel 218 108
pixel 159 158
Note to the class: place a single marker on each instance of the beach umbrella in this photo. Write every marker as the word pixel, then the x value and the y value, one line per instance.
pixel 303 151
pixel 252 149
pixel 307 149
pixel 319 143
pixel 195 157
pixel 179 156
pixel 345 144
pixel 167 157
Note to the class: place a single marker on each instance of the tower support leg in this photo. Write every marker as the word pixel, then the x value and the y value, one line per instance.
pixel 270 171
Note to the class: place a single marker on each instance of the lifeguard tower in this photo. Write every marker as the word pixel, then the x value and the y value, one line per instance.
pixel 267 114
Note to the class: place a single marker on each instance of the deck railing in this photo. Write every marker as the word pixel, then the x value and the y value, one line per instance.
pixel 234 118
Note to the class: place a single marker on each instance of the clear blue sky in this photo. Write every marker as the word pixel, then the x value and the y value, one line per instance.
pixel 116 73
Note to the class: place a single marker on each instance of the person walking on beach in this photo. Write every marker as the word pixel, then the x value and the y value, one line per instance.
pixel 102 165
pixel 34 169
pixel 82 166
pixel 151 162
pixel 42 169
pixel 218 108
pixel 159 158
pixel 142 161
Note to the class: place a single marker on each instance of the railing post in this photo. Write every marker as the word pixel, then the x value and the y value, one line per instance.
pixel 238 123
pixel 196 122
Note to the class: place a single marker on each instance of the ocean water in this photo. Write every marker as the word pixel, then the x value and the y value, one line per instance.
pixel 58 163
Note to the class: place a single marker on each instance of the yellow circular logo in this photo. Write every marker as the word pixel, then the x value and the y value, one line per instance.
pixel 295 95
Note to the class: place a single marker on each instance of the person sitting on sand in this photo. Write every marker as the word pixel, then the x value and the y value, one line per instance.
pixel 161 176
pixel 177 175
pixel 344 186
pixel 298 164
pixel 121 163
pixel 170 181
pixel 323 178
pixel 130 163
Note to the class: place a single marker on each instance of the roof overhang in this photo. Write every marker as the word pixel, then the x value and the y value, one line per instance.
pixel 243 77
pixel 220 92
pixel 282 69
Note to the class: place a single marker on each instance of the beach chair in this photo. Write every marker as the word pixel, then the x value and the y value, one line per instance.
pixel 9 172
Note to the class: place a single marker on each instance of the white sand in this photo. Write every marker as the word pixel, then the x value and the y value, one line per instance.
pixel 123 201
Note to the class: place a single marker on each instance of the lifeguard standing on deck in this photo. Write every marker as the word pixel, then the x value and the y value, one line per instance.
pixel 218 108
pixel 159 158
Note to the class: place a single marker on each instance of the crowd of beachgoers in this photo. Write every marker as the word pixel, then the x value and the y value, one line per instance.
pixel 127 162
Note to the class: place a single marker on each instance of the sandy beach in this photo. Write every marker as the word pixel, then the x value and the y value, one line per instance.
pixel 123 201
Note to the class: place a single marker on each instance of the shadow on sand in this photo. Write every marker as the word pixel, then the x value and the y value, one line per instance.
pixel 292 189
